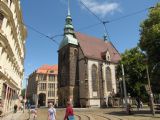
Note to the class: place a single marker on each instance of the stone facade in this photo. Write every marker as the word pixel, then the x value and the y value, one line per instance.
pixel 68 69
pixel 42 86
pixel 12 52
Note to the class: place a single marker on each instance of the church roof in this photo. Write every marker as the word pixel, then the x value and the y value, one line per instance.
pixel 45 69
pixel 94 48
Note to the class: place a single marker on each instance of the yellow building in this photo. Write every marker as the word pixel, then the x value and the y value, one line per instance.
pixel 42 86
pixel 12 50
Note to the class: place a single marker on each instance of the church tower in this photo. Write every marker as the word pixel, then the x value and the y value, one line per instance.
pixel 67 65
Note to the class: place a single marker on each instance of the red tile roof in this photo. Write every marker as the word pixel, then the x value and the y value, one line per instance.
pixel 94 48
pixel 47 68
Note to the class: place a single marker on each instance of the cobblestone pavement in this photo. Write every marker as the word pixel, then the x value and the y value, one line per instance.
pixel 19 115
pixel 88 114
pixel 102 114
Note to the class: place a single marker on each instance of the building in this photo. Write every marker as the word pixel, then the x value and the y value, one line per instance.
pixel 86 68
pixel 42 85
pixel 12 52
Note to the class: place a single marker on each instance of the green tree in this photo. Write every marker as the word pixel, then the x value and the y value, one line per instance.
pixel 135 72
pixel 23 93
pixel 150 43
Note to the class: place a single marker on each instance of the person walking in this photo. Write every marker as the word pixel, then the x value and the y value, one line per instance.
pixel 69 115
pixel 138 103
pixel 51 112
pixel 15 108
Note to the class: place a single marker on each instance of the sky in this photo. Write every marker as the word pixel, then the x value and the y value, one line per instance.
pixel 48 17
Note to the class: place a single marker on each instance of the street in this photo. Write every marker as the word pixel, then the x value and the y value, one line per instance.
pixel 91 114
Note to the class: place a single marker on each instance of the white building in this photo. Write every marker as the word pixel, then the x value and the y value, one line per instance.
pixel 12 50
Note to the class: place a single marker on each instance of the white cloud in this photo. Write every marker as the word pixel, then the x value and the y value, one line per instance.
pixel 102 8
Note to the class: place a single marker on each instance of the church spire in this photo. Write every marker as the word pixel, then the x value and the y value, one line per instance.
pixel 69 13
pixel 68 28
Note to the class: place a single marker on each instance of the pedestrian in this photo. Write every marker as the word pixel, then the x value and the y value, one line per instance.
pixel 69 115
pixel 138 102
pixel 15 108
pixel 34 113
pixel 141 104
pixel 51 112
pixel 129 109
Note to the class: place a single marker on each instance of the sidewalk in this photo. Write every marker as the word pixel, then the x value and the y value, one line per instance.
pixel 16 116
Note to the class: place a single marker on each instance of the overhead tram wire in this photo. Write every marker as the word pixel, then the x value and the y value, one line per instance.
pixel 102 22
pixel 37 31
pixel 128 15
pixel 90 11
pixel 117 19
pixel 89 26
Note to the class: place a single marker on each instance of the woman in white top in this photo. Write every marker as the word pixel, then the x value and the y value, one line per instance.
pixel 51 112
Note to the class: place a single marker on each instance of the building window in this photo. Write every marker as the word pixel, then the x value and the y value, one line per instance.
pixel 108 79
pixel 51 93
pixel 51 86
pixel 1 19
pixel 94 78
pixel 42 77
pixel 51 77
pixel 42 87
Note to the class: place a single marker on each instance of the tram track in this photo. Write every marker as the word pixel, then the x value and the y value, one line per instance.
pixel 83 117
pixel 91 116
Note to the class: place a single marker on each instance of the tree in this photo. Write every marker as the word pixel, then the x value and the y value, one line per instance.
pixel 150 43
pixel 23 93
pixel 135 72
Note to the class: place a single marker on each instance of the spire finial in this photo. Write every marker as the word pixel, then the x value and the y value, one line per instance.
pixel 69 7
pixel 68 29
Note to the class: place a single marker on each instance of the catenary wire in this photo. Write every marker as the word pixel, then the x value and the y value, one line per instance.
pixel 90 26
pixel 90 11
pixel 37 31
pixel 128 15
pixel 116 19
pixel 102 22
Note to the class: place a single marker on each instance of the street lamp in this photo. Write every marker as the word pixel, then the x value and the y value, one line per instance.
pixel 124 87
pixel 150 92
pixel 149 87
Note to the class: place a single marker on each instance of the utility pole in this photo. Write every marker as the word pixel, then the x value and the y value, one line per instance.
pixel 150 92
pixel 124 86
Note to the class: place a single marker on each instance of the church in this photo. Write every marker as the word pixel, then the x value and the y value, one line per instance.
pixel 86 68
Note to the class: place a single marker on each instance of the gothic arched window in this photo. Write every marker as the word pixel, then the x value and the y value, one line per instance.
pixel 108 79
pixel 94 78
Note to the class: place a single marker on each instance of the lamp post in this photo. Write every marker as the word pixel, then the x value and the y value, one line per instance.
pixel 124 87
pixel 151 99
pixel 150 92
